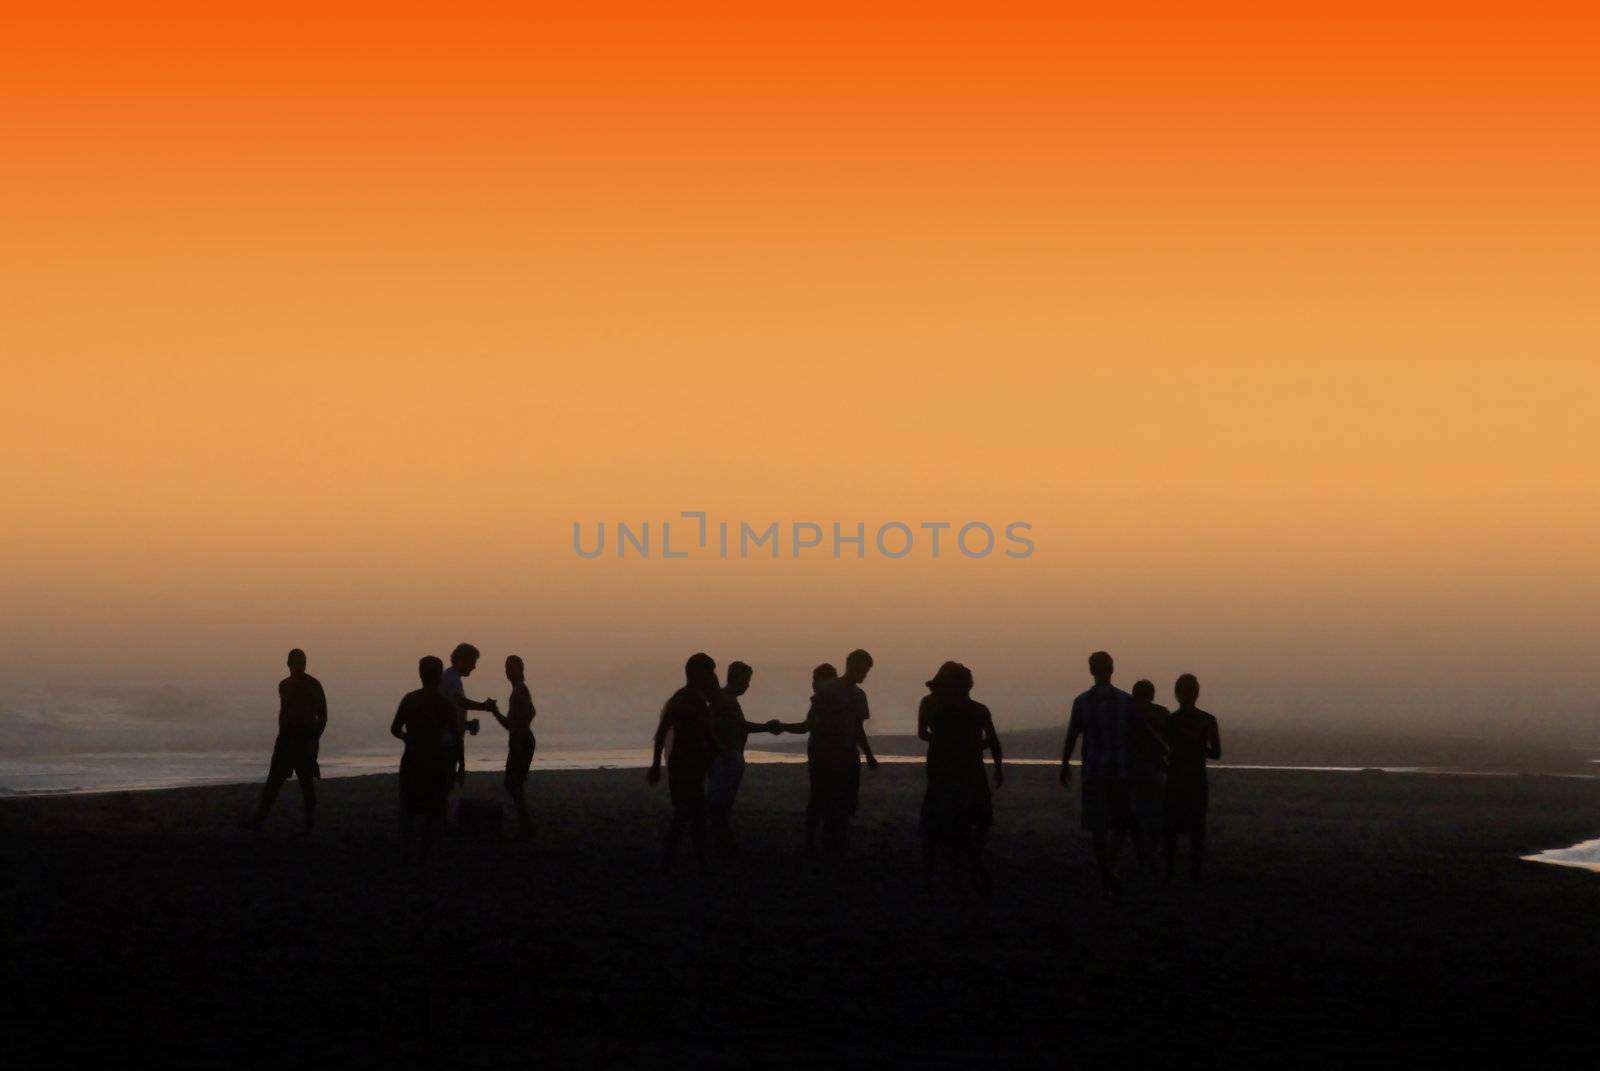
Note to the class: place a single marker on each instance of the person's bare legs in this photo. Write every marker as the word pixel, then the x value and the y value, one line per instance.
pixel 1105 856
pixel 524 819
pixel 976 843
pixel 430 825
pixel 519 800
pixel 1197 851
pixel 269 796
pixel 697 837
pixel 813 821
pixel 721 822
pixel 669 844
pixel 835 835
pixel 308 797
pixel 1142 854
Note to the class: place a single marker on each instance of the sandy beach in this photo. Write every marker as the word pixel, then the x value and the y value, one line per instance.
pixel 1345 917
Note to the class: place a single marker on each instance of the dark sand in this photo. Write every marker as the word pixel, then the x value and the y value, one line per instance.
pixel 1345 917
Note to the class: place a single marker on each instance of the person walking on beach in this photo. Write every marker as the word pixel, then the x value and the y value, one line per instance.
pixel 1100 717
pixel 836 723
pixel 518 723
pixel 1147 770
pixel 423 719
pixel 686 716
pixel 1193 736
pixel 463 660
pixel 956 808
pixel 822 677
pixel 302 716
pixel 729 732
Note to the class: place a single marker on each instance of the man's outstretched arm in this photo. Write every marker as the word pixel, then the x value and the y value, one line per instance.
pixel 1213 740
pixel 799 726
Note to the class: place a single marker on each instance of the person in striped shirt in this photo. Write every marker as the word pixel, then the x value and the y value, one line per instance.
pixel 1100 718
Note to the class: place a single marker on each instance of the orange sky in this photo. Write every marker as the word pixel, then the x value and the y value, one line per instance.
pixel 1279 327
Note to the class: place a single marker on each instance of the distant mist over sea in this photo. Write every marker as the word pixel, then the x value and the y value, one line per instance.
pixel 618 708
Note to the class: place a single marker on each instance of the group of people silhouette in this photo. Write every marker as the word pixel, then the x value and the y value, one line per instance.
pixel 1143 765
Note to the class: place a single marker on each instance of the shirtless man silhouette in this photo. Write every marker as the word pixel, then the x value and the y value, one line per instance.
pixel 1193 737
pixel 302 716
pixel 729 733
pixel 518 724
pixel 686 718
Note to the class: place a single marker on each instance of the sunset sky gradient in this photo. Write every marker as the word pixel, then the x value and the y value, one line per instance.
pixel 1279 323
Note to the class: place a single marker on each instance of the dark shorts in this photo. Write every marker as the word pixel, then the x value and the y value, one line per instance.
pixel 1145 800
pixel 727 770
pixel 835 783
pixel 687 783
pixel 297 757
pixel 1106 803
pixel 424 784
pixel 955 811
pixel 1185 807
pixel 518 759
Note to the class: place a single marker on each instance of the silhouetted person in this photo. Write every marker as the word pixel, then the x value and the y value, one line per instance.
pixel 729 732
pixel 463 660
pixel 518 723
pixel 687 717
pixel 426 721
pixel 1100 717
pixel 1147 769
pixel 302 715
pixel 956 808
pixel 1192 737
pixel 822 677
pixel 836 723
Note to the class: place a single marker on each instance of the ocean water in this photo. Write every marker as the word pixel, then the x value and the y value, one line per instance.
pixel 1584 855
pixel 136 771
pixel 140 771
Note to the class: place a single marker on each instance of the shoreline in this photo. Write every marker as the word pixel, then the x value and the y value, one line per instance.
pixel 1582 855
pixel 581 759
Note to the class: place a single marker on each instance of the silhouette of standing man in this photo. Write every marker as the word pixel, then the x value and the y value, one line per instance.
pixel 518 724
pixel 1194 737
pixel 463 660
pixel 422 720
pixel 1100 717
pixel 687 717
pixel 729 733
pixel 837 724
pixel 302 715
pixel 1147 770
